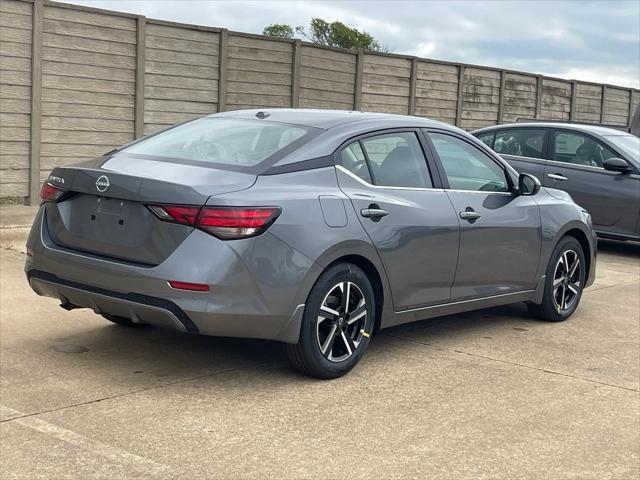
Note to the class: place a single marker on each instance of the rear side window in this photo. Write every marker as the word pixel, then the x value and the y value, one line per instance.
pixel 222 141
pixel 487 138
pixel 396 160
pixel 353 159
pixel 523 142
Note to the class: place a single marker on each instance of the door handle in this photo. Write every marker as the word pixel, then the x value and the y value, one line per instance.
pixel 557 176
pixel 470 215
pixel 374 212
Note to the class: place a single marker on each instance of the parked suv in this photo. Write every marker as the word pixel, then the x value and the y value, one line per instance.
pixel 599 167
pixel 312 228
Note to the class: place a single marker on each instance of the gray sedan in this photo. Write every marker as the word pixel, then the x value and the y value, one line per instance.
pixel 599 167
pixel 312 228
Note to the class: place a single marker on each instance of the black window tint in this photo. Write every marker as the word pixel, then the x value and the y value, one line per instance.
pixel 396 160
pixel 579 149
pixel 487 138
pixel 524 142
pixel 468 168
pixel 353 159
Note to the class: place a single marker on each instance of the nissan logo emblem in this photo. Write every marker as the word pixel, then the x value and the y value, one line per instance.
pixel 102 183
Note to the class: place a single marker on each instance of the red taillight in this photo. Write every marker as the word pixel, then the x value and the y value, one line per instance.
pixel 226 223
pixel 193 287
pixel 178 214
pixel 51 193
pixel 232 223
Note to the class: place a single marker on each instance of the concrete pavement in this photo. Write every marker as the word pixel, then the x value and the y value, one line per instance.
pixel 490 394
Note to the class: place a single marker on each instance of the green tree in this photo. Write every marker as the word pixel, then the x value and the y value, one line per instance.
pixel 281 30
pixel 334 34
pixel 337 34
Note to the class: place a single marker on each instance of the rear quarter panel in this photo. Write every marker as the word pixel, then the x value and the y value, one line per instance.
pixel 317 220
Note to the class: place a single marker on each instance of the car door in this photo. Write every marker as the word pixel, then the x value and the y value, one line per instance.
pixel 575 166
pixel 406 214
pixel 500 232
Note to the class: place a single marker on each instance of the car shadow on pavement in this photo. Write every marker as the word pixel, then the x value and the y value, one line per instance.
pixel 146 354
pixel 631 249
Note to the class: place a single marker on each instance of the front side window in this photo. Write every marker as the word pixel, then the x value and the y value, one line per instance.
pixel 523 142
pixel 630 144
pixel 225 141
pixel 396 160
pixel 468 168
pixel 579 149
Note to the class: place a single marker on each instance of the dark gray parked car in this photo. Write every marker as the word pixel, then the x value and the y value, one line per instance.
pixel 599 167
pixel 312 228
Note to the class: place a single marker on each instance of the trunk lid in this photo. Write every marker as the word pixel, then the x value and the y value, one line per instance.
pixel 107 214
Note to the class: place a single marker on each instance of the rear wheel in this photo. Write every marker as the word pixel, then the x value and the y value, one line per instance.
pixel 565 278
pixel 122 321
pixel 337 323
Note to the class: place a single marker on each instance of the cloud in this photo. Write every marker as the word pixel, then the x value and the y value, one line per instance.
pixel 588 40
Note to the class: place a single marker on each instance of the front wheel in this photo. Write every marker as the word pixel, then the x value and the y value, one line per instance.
pixel 336 325
pixel 565 278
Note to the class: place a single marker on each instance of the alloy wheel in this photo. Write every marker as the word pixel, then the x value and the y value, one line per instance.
pixel 566 281
pixel 341 322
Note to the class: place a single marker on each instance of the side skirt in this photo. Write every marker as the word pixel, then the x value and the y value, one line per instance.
pixel 425 313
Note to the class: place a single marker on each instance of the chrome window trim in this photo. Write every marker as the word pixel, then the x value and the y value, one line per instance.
pixel 577 165
pixel 485 192
pixel 522 157
pixel 355 177
pixel 385 187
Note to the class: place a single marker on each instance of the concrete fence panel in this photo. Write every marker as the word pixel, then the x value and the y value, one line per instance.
pixel 77 81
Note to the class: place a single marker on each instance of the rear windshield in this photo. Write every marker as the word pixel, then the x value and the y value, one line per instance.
pixel 222 141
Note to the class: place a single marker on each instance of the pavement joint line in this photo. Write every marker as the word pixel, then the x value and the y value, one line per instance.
pixel 611 286
pixel 115 454
pixel 124 394
pixel 544 370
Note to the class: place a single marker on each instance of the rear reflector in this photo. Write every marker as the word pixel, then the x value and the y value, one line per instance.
pixel 193 287
pixel 51 193
pixel 226 223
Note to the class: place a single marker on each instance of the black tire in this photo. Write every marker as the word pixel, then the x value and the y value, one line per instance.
pixel 122 321
pixel 319 328
pixel 551 309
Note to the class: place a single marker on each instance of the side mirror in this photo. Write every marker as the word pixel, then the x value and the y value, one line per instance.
pixel 616 165
pixel 528 184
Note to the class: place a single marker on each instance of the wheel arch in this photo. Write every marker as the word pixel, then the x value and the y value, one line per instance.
pixel 374 277
pixel 583 240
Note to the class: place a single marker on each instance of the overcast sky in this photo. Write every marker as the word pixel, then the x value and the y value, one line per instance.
pixel 587 40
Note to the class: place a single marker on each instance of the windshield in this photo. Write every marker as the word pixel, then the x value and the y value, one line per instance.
pixel 630 144
pixel 223 141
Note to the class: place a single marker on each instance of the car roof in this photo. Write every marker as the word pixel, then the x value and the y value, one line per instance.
pixel 326 119
pixel 595 129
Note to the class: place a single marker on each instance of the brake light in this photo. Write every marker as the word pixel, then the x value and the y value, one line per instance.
pixel 51 193
pixel 225 223
pixel 176 214
pixel 233 223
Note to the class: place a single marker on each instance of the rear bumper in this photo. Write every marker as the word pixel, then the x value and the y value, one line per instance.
pixel 258 286
pixel 138 308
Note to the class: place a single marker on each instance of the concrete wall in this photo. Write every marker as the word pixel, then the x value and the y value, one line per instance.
pixel 76 82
